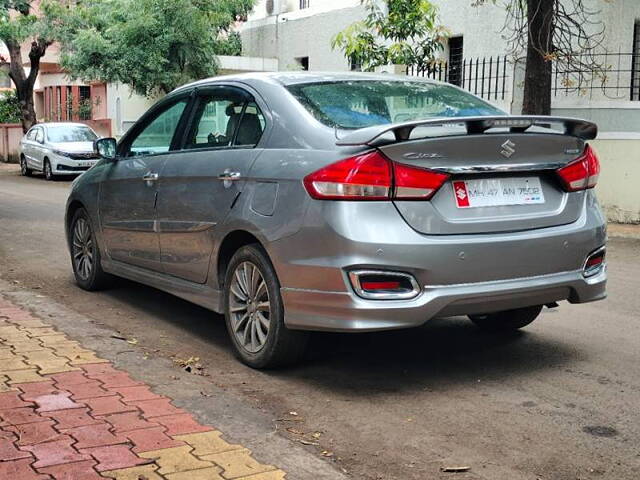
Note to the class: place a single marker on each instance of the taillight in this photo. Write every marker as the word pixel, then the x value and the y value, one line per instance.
pixel 363 177
pixel 582 173
pixel 372 176
pixel 414 183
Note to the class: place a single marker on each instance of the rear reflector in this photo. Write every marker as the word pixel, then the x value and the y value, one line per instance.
pixel 372 176
pixel 582 173
pixel 383 285
pixel 594 262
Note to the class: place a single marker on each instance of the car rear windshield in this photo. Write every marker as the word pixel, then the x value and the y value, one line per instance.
pixel 365 103
pixel 70 134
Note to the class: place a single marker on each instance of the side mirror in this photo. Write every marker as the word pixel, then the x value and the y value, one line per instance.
pixel 106 148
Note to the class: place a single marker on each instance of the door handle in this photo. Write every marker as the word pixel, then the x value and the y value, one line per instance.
pixel 229 176
pixel 150 177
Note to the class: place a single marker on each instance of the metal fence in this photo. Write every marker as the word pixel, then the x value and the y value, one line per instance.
pixel 619 79
pixel 487 77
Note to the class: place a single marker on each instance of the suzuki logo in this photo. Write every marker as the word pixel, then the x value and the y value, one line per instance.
pixel 461 193
pixel 508 149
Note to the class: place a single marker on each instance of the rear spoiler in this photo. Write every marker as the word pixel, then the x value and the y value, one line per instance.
pixel 474 125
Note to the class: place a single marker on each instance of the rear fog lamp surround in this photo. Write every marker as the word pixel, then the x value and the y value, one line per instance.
pixel 594 262
pixel 383 285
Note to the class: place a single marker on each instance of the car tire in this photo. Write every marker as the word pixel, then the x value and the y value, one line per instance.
pixel 48 173
pixel 25 171
pixel 85 254
pixel 253 304
pixel 508 320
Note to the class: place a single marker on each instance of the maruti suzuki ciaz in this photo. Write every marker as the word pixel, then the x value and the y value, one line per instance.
pixel 294 202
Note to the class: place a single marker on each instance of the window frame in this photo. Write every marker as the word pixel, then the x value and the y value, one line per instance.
pixel 207 91
pixel 152 114
pixel 39 131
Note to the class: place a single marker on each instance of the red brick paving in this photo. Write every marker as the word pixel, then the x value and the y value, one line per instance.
pixel 55 452
pixel 76 424
pixel 115 457
pixel 21 470
pixel 73 471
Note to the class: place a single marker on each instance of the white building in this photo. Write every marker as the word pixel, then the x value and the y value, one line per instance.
pixel 298 34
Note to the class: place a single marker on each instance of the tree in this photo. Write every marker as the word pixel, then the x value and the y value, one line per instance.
pixel 18 24
pixel 151 45
pixel 403 32
pixel 10 111
pixel 565 32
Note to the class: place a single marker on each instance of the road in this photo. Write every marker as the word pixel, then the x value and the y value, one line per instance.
pixel 557 401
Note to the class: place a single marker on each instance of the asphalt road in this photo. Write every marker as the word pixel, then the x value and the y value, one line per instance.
pixel 560 400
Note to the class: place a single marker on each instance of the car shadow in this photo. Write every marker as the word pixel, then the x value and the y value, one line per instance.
pixel 440 354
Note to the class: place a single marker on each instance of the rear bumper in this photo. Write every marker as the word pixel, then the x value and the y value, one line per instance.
pixel 457 274
pixel 344 311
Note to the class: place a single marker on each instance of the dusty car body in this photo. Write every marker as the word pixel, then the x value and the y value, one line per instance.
pixel 293 202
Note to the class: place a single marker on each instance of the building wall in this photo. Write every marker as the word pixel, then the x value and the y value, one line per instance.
pixel 124 107
pixel 293 35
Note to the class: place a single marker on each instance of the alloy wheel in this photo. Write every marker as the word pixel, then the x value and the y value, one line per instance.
pixel 47 171
pixel 83 253
pixel 249 307
pixel 23 166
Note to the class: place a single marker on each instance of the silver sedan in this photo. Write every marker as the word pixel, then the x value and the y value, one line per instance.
pixel 57 149
pixel 293 202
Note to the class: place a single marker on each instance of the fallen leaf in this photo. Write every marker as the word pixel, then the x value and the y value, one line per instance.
pixel 307 442
pixel 326 453
pixel 132 341
pixel 295 414
pixel 294 431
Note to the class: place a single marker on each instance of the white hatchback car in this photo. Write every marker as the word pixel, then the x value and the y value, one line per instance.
pixel 57 149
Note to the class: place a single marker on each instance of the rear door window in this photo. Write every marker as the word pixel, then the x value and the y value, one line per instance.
pixel 225 117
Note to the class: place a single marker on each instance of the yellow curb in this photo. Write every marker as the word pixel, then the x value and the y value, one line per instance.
pixel 238 463
pixel 176 459
pixel 273 475
pixel 147 472
pixel 24 376
pixel 207 443
pixel 212 473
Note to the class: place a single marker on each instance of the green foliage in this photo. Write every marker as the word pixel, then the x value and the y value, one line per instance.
pixel 151 45
pixel 407 32
pixel 9 107
pixel 230 44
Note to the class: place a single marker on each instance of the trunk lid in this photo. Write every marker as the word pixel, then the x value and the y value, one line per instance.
pixel 485 165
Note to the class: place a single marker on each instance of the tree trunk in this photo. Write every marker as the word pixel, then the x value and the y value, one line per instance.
pixel 538 72
pixel 24 84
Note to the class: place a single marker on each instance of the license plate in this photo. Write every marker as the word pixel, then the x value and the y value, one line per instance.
pixel 493 192
pixel 87 164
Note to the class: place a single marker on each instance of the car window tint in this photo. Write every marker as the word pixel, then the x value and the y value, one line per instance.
pixel 70 134
pixel 365 103
pixel 251 126
pixel 215 122
pixel 31 134
pixel 156 136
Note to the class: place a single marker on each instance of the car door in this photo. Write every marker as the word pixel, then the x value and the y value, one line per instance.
pixel 38 150
pixel 199 186
pixel 130 185
pixel 27 146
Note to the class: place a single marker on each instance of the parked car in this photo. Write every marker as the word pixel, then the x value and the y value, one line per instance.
pixel 57 149
pixel 293 202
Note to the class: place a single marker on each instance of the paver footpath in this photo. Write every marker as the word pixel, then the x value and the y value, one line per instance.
pixel 66 414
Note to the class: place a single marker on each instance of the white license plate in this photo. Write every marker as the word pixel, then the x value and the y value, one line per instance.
pixel 493 192
pixel 87 164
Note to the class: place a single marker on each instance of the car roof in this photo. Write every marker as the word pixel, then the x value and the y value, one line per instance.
pixel 62 124
pixel 295 78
